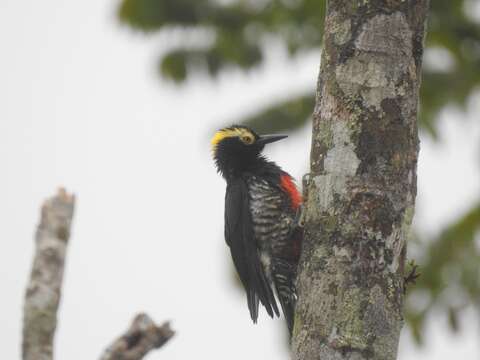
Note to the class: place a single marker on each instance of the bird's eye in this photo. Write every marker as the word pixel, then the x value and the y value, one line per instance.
pixel 247 139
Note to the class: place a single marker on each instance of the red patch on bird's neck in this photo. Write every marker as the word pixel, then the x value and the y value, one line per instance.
pixel 289 186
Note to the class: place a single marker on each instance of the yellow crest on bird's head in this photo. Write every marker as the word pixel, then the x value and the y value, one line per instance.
pixel 234 131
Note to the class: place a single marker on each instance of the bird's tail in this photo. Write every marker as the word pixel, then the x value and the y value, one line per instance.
pixel 284 275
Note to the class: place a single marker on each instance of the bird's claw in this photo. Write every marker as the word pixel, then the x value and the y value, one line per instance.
pixel 300 216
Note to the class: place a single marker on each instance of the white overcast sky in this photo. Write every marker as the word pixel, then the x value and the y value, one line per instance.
pixel 81 107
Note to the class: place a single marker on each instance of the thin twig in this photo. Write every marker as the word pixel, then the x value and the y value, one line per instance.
pixel 142 337
pixel 411 277
pixel 44 287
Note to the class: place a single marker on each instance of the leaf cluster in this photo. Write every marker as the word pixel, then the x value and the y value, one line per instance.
pixel 239 30
pixel 450 274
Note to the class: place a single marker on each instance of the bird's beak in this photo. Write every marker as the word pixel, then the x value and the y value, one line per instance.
pixel 267 139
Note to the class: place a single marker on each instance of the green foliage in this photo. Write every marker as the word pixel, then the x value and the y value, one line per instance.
pixel 284 116
pixel 153 15
pixel 450 28
pixel 175 64
pixel 240 30
pixel 450 273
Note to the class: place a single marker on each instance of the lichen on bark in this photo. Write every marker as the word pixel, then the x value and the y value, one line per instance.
pixel 362 183
pixel 44 288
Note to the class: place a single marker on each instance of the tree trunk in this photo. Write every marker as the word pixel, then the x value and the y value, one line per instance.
pixel 362 185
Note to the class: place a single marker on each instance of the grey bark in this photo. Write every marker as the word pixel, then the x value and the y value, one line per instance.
pixel 44 287
pixel 361 190
pixel 142 337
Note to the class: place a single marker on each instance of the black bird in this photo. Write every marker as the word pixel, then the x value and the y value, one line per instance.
pixel 262 204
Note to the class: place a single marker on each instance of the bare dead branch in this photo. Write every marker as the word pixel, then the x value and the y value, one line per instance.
pixel 142 337
pixel 43 292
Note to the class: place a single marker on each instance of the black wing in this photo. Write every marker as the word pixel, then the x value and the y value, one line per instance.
pixel 241 240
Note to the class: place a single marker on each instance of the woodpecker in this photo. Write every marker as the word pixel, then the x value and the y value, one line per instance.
pixel 262 205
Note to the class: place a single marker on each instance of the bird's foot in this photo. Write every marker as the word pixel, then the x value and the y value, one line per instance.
pixel 299 220
pixel 305 181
